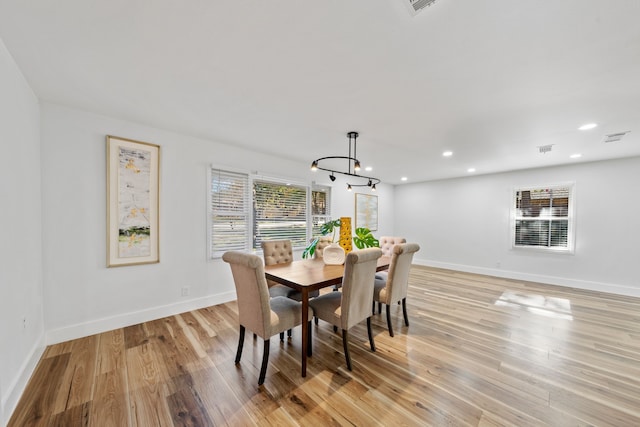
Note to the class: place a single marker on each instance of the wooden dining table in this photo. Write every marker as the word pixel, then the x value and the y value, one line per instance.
pixel 306 276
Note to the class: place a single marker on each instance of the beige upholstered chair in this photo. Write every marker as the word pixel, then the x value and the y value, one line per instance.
pixel 388 242
pixel 386 245
pixel 257 311
pixel 350 306
pixel 394 287
pixel 323 242
pixel 280 252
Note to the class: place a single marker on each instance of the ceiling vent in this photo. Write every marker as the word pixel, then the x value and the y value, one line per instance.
pixel 614 137
pixel 416 6
pixel 545 148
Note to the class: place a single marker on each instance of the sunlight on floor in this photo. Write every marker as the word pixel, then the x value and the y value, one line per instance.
pixel 558 308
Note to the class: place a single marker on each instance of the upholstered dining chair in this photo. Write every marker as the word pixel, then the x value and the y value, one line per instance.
pixel 323 242
pixel 386 245
pixel 350 306
pixel 394 287
pixel 257 311
pixel 281 252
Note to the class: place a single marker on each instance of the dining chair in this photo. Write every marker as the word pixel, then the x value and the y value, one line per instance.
pixel 386 245
pixel 350 306
pixel 257 311
pixel 394 287
pixel 323 242
pixel 281 252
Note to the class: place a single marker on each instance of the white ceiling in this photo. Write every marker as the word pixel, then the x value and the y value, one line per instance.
pixel 489 80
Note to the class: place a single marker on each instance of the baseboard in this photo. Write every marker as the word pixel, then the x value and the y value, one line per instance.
pixel 109 323
pixel 611 288
pixel 17 387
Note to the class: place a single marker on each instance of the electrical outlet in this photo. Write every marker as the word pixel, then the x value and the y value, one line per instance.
pixel 185 291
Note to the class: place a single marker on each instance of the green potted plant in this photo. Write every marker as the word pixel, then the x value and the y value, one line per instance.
pixel 363 238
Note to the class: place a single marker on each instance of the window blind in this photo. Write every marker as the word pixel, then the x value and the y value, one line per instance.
pixel 229 211
pixel 279 212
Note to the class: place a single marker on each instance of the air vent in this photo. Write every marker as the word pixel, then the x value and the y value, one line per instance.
pixel 416 6
pixel 614 137
pixel 545 148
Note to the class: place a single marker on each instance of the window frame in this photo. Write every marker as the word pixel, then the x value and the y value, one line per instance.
pixel 570 218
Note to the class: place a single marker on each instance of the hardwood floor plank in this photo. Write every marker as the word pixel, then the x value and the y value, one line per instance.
pixel 479 351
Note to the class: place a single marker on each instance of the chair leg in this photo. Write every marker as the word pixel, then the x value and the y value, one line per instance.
pixel 281 336
pixel 379 307
pixel 265 362
pixel 389 320
pixel 315 319
pixel 404 311
pixel 309 335
pixel 335 328
pixel 240 343
pixel 373 307
pixel 289 333
pixel 345 339
pixel 373 344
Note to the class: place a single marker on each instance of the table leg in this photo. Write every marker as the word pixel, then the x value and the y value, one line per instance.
pixel 305 329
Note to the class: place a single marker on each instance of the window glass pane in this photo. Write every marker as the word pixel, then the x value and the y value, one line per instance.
pixel 320 209
pixel 280 212
pixel 532 233
pixel 560 233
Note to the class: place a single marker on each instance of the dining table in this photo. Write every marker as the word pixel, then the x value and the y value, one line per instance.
pixel 306 276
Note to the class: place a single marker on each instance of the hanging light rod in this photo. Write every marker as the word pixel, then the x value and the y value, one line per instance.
pixel 353 166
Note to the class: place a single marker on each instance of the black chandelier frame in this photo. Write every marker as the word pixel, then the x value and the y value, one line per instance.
pixel 353 165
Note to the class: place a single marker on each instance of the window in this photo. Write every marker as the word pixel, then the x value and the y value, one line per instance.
pixel 248 209
pixel 280 212
pixel 320 208
pixel 543 218
pixel 229 211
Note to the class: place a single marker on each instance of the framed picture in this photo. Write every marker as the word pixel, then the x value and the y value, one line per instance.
pixel 132 202
pixel 367 211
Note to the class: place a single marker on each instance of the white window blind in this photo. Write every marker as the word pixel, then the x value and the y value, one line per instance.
pixel 543 218
pixel 279 212
pixel 229 211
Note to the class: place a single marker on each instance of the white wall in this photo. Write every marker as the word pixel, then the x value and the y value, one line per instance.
pixel 464 224
pixel 21 318
pixel 82 295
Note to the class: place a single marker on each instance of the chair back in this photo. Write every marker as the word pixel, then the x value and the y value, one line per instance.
pixel 357 286
pixel 254 309
pixel 398 279
pixel 276 252
pixel 323 242
pixel 388 242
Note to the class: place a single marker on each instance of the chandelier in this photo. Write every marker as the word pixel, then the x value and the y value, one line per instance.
pixel 353 166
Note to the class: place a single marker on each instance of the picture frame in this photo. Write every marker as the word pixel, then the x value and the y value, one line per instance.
pixel 367 211
pixel 133 189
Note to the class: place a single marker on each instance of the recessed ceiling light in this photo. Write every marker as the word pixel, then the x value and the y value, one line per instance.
pixel 447 153
pixel 368 168
pixel 576 156
pixel 588 126
pixel 404 178
pixel 471 170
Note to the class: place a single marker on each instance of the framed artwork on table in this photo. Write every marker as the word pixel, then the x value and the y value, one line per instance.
pixel 367 211
pixel 133 188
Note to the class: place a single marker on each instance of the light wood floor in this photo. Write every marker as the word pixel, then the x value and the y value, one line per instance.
pixel 479 351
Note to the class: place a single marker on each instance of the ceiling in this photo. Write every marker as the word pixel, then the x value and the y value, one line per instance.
pixel 489 80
